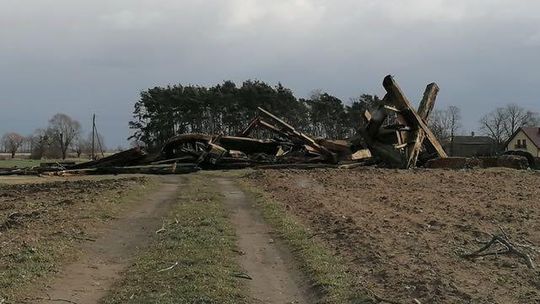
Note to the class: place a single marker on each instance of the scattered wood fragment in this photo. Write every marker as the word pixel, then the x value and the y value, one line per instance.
pixel 148 169
pixel 168 268
pixel 80 238
pixel 242 276
pixel 361 154
pixel 509 248
pixel 162 229
pixel 124 158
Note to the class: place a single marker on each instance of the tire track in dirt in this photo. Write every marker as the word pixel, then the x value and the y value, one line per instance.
pixel 89 279
pixel 270 266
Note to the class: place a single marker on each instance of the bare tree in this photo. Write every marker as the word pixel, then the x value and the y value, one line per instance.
pixel 517 117
pixel 39 143
pixel 64 130
pixel 80 146
pixel 12 142
pixel 501 123
pixel 492 125
pixel 445 123
pixel 84 146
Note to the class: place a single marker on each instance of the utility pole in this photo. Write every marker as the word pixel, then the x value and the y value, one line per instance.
pixel 93 136
pixel 62 145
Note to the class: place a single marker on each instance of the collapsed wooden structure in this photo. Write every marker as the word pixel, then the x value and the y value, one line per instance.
pixel 393 135
pixel 400 143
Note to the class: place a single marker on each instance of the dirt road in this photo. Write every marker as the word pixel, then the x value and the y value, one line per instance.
pixel 266 261
pixel 89 279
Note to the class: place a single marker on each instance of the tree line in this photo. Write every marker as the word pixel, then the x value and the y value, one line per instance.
pixel 62 136
pixel 162 112
pixel 226 108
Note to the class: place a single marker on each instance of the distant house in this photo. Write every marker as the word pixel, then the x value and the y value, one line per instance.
pixel 469 146
pixel 525 139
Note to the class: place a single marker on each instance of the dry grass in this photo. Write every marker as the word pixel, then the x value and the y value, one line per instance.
pixel 43 225
pixel 192 261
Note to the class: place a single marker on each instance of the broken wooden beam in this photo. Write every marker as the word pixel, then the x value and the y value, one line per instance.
pixel 124 158
pixel 253 123
pixel 402 103
pixel 150 169
pixel 418 136
pixel 330 156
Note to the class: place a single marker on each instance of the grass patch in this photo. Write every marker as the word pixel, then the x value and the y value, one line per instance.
pixel 199 241
pixel 28 163
pixel 328 272
pixel 41 245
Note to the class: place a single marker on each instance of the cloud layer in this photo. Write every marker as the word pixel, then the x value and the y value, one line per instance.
pixel 81 57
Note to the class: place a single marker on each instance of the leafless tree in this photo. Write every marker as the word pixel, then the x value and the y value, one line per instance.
pixel 64 130
pixel 40 142
pixel 80 146
pixel 445 123
pixel 12 142
pixel 84 145
pixel 454 116
pixel 517 117
pixel 502 122
pixel 493 123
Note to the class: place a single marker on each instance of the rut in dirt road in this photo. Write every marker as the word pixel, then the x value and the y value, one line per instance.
pixel 274 278
pixel 89 279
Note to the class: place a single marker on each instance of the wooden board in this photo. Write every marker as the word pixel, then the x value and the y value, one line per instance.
pixel 418 136
pixel 301 136
pixel 402 103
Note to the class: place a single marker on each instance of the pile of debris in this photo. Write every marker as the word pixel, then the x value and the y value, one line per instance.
pixel 288 146
pixel 395 135
pixel 398 134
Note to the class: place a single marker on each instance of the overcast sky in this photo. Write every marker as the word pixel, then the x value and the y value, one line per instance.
pixel 83 57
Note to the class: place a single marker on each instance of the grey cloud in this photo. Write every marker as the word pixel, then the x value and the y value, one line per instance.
pixel 81 57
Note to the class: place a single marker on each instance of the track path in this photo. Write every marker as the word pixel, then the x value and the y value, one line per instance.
pixel 89 279
pixel 274 278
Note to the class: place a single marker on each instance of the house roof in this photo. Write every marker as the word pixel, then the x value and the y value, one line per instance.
pixel 533 133
pixel 473 140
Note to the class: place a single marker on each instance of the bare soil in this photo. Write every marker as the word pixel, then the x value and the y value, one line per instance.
pixel 403 232
pixel 47 225
pixel 270 271
pixel 89 279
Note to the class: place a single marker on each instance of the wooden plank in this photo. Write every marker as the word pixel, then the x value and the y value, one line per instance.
pixel 367 116
pixel 250 127
pixel 124 158
pixel 361 154
pixel 303 137
pixel 428 101
pixel 272 128
pixel 377 119
pixel 402 102
pixel 425 108
pixel 385 152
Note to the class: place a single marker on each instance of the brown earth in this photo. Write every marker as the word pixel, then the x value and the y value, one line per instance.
pixel 403 232
pixel 87 280
pixel 270 267
pixel 44 225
